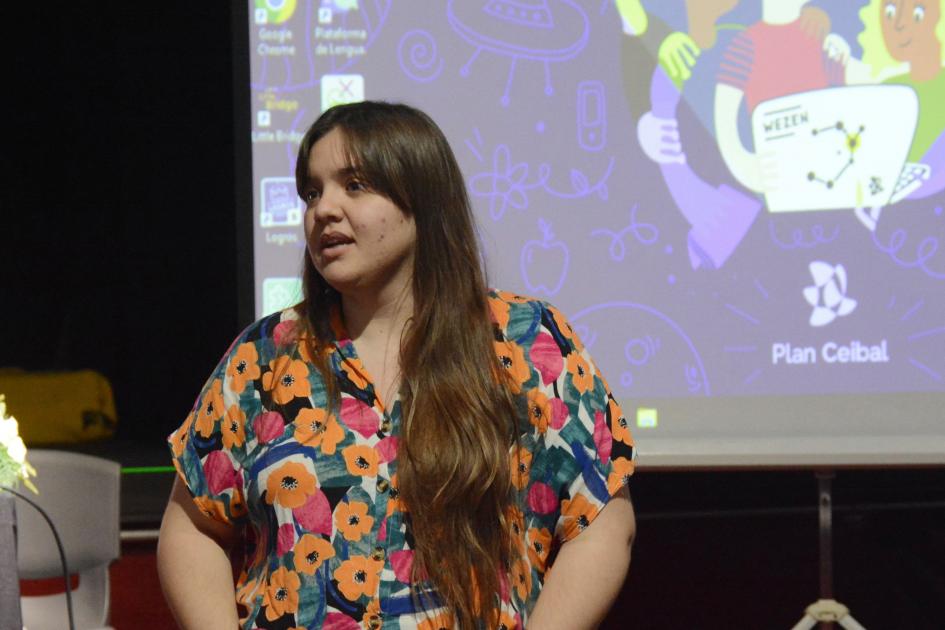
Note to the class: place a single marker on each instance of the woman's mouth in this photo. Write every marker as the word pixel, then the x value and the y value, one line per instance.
pixel 333 241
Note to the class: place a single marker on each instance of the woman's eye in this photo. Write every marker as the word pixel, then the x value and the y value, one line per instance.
pixel 309 196
pixel 890 10
pixel 918 13
pixel 356 186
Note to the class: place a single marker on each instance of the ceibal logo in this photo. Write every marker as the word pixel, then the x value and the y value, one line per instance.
pixel 828 294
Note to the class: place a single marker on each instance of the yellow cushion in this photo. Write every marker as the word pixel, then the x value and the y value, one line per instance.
pixel 59 407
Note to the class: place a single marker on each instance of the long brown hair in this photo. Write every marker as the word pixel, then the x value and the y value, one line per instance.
pixel 459 416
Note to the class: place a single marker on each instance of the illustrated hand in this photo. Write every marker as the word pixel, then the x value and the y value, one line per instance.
pixel 815 22
pixel 659 139
pixel 677 55
pixel 837 48
pixel 633 17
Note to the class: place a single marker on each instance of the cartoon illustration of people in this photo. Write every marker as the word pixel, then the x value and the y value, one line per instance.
pixel 777 56
pixel 719 215
pixel 902 44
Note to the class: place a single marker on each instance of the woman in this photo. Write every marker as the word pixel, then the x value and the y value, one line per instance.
pixel 404 448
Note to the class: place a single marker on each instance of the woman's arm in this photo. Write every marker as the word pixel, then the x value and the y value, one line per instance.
pixel 194 565
pixel 589 571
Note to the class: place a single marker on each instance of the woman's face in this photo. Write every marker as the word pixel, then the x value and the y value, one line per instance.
pixel 909 27
pixel 358 239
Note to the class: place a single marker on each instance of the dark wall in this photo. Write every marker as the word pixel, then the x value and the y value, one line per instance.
pixel 119 243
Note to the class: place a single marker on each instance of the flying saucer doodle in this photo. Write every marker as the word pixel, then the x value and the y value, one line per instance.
pixel 538 30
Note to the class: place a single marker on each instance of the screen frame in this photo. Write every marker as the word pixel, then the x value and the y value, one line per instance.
pixel 848 442
pixel 243 162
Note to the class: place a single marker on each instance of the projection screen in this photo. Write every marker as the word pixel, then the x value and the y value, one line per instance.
pixel 739 205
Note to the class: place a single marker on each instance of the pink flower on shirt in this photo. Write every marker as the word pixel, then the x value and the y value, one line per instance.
pixel 219 472
pixel 268 426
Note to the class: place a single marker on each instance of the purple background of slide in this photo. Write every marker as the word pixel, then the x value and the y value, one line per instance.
pixel 572 211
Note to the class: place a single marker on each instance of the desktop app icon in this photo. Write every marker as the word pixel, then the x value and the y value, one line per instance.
pixel 279 204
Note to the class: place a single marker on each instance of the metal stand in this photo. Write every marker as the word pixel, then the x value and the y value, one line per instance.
pixel 10 616
pixel 826 610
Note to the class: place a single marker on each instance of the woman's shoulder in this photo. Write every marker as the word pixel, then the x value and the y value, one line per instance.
pixel 499 299
pixel 518 315
pixel 498 296
pixel 274 333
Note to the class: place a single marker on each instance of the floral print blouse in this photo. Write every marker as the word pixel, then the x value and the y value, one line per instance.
pixel 327 545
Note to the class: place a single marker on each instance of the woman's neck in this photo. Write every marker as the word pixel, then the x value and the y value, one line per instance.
pixel 373 317
pixel 376 328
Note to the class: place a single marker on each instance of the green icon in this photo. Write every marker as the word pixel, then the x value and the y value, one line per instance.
pixel 280 293
pixel 646 417
pixel 276 11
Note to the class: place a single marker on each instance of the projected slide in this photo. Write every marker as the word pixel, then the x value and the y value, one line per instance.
pixel 728 198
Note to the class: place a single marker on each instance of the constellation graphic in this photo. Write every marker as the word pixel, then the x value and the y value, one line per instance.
pixel 507 184
pixel 851 142
pixel 644 233
pixel 545 31
pixel 420 49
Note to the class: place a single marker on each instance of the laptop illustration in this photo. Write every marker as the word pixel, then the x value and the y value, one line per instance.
pixel 837 148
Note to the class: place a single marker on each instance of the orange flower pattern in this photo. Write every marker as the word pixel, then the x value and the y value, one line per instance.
pixel 372 619
pixel 316 485
pixel 211 410
pixel 356 372
pixel 286 379
pixel 539 546
pixel 522 578
pixel 310 553
pixel 618 422
pixel 352 520
pixel 620 475
pixel 361 460
pixel 243 367
pixel 290 485
pixel 581 376
pixel 578 514
pixel 442 621
pixel 512 358
pixel 315 427
pixel 231 431
pixel 539 411
pixel 521 463
pixel 282 594
pixel 358 576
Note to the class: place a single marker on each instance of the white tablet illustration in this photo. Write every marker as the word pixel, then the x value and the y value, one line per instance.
pixel 836 148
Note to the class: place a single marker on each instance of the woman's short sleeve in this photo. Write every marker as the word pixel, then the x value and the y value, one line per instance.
pixel 577 451
pixel 209 447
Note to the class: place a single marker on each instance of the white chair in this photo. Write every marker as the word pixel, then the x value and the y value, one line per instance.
pixel 80 493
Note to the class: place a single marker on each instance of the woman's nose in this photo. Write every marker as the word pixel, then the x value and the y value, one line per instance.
pixel 327 207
